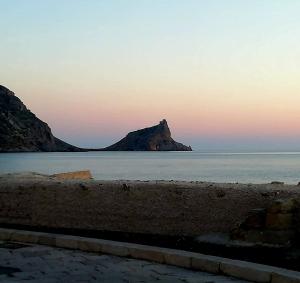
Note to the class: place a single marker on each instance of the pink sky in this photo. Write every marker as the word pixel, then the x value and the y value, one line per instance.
pixel 214 69
pixel 92 118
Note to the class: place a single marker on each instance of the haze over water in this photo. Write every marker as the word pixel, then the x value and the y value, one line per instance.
pixel 189 166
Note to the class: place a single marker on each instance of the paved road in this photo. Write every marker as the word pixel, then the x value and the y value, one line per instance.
pixel 42 264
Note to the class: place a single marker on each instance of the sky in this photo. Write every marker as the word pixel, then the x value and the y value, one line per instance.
pixel 225 74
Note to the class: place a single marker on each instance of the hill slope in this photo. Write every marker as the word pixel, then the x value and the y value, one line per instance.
pixel 156 138
pixel 22 131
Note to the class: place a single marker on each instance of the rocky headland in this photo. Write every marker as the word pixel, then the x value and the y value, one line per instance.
pixel 156 138
pixel 22 131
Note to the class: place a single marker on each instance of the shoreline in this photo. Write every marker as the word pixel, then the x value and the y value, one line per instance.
pixel 27 175
pixel 161 213
pixel 168 207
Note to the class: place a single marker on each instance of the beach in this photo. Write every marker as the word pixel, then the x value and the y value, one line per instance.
pixel 155 207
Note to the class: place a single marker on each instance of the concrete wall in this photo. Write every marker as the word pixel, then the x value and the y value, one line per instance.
pixel 166 208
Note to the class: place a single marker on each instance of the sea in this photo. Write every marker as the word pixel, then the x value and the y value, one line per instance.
pixel 254 167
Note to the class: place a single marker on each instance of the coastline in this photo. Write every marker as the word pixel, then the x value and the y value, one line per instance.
pixel 168 207
pixel 171 214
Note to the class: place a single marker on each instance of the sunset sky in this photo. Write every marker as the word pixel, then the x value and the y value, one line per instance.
pixel 225 74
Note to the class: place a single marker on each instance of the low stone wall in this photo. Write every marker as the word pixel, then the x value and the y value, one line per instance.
pixel 163 208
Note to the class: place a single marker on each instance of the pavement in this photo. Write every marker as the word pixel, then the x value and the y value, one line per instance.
pixel 43 264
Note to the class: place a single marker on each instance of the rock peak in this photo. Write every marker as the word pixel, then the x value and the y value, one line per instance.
pixel 163 128
pixel 155 138
pixel 5 90
pixel 163 122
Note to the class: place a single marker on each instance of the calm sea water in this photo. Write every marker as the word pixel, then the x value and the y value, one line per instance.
pixel 191 166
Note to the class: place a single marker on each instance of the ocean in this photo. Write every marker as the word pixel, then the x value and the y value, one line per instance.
pixel 188 166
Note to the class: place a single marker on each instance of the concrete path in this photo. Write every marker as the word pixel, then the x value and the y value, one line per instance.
pixel 35 264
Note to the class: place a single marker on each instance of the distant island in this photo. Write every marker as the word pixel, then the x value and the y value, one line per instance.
pixel 156 138
pixel 22 131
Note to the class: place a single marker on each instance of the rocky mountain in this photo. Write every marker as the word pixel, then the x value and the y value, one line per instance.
pixel 156 138
pixel 22 131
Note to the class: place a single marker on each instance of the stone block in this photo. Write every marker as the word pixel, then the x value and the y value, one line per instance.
pixel 282 206
pixel 25 237
pixel 206 263
pixel 146 253
pixel 245 270
pixel 68 242
pixel 89 245
pixel 114 248
pixel 178 258
pixel 80 175
pixel 5 234
pixel 285 276
pixel 288 205
pixel 279 221
pixel 47 239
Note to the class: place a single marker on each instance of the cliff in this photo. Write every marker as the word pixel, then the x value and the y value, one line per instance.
pixel 156 138
pixel 22 131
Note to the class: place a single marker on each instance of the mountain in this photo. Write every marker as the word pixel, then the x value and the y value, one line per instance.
pixel 22 131
pixel 156 138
